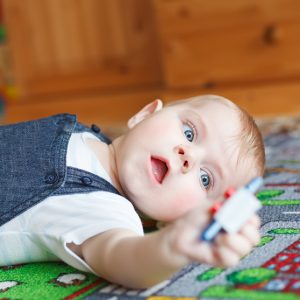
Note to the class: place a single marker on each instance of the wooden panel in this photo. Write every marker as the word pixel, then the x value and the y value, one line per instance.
pixel 212 42
pixel 106 108
pixel 114 109
pixel 63 45
pixel 265 99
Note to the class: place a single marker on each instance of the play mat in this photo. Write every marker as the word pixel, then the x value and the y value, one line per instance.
pixel 270 271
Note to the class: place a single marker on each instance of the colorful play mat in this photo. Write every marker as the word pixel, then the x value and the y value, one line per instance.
pixel 270 271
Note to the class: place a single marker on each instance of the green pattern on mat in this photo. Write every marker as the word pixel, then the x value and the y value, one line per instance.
pixel 45 281
pixel 226 291
pixel 285 231
pixel 209 274
pixel 265 240
pixel 267 194
pixel 280 202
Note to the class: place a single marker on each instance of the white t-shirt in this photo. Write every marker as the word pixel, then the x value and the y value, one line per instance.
pixel 42 232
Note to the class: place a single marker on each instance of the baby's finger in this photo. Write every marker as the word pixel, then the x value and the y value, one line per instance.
pixel 202 252
pixel 251 233
pixel 235 242
pixel 255 221
pixel 226 257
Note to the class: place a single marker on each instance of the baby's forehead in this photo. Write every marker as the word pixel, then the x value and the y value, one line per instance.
pixel 211 100
pixel 246 170
pixel 212 109
pixel 217 108
pixel 199 103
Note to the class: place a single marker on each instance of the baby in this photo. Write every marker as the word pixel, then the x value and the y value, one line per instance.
pixel 67 193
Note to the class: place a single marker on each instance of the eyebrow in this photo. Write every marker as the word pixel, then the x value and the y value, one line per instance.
pixel 219 170
pixel 203 129
pixel 200 123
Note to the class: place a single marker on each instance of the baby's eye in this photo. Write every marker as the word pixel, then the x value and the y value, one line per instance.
pixel 205 179
pixel 188 132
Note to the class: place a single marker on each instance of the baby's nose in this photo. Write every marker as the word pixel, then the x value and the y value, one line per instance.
pixel 186 156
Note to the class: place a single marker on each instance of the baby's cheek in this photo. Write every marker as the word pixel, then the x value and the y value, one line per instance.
pixel 184 203
pixel 155 128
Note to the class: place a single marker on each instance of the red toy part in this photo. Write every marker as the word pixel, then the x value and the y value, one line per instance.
pixel 229 192
pixel 215 208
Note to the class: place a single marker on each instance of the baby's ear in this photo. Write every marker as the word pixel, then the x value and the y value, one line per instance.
pixel 146 111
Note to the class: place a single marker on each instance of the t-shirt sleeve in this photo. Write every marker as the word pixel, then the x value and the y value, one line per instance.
pixel 67 219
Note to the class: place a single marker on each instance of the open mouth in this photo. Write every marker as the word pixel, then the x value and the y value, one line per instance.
pixel 159 168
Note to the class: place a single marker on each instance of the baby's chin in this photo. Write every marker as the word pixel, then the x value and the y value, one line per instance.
pixel 154 213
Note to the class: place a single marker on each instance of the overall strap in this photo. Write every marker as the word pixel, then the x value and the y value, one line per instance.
pixel 94 129
pixel 81 181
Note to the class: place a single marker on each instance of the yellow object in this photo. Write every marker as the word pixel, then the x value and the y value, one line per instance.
pixel 11 92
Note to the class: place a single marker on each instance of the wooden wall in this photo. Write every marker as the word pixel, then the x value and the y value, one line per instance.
pixel 228 42
pixel 104 59
pixel 75 45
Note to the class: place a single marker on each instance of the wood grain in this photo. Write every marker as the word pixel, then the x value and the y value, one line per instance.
pixel 74 45
pixel 228 42
pixel 115 108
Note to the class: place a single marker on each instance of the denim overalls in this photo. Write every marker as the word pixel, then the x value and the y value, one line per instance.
pixel 33 164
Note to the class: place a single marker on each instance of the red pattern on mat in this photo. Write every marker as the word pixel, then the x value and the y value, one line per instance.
pixel 84 290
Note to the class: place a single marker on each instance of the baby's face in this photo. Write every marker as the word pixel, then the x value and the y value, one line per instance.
pixel 181 156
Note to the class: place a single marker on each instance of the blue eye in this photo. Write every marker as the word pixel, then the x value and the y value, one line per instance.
pixel 188 132
pixel 205 179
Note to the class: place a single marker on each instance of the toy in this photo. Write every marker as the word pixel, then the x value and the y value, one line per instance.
pixel 235 211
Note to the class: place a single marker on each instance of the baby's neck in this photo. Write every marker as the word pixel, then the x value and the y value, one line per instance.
pixel 106 156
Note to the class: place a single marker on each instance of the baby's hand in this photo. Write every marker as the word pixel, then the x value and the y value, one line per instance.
pixel 228 249
pixel 225 251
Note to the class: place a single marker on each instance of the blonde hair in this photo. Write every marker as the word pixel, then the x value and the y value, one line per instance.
pixel 251 140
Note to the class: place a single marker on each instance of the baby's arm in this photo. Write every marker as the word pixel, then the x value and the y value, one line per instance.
pixel 138 262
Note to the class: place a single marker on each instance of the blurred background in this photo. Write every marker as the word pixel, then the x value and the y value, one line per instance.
pixel 105 59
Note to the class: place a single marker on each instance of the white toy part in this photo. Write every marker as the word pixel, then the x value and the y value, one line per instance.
pixel 237 210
